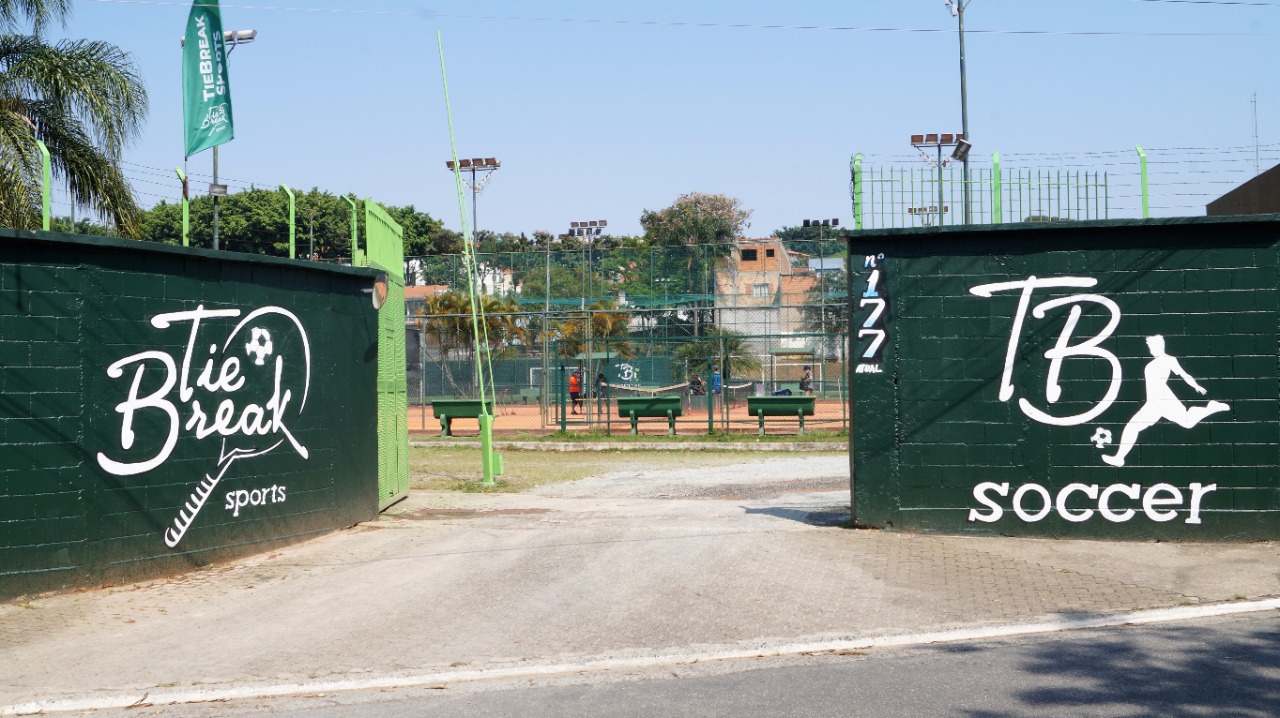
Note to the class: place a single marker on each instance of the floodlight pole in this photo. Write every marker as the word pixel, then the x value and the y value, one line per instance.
pixel 475 205
pixel 186 208
pixel 938 141
pixel 215 199
pixel 940 185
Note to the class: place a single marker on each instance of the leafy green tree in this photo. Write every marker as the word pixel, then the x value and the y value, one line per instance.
pixel 80 226
pixel 565 283
pixel 256 221
pixel 814 241
pixel 606 321
pixel 826 311
pixel 696 219
pixel 446 320
pixel 424 234
pixel 84 99
pixel 705 225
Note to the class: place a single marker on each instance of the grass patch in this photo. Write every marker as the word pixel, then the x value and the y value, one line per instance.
pixel 623 436
pixel 455 468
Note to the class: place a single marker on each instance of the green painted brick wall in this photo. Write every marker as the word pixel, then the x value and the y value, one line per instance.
pixel 942 442
pixel 295 453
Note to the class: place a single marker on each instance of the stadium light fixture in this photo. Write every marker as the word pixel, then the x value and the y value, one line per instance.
pixel 935 141
pixel 590 229
pixel 481 170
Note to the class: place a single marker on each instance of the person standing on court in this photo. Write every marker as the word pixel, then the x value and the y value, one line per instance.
pixel 575 390
pixel 806 381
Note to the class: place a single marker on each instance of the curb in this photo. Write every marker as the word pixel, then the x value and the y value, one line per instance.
pixel 391 681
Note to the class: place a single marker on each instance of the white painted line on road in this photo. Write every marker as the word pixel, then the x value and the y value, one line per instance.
pixel 281 690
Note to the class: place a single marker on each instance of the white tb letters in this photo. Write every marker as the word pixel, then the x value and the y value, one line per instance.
pixel 1063 348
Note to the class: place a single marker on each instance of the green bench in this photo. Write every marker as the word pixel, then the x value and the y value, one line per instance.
pixel 650 407
pixel 446 410
pixel 794 406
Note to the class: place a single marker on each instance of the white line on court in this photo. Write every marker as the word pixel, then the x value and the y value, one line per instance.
pixel 281 690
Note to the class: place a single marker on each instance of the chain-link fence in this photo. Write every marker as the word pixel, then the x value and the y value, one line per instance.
pixel 713 326
pixel 576 384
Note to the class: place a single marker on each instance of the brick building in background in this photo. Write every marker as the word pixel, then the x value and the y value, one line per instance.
pixel 761 275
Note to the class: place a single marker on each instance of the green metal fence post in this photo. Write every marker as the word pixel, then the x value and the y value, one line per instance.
pixel 997 212
pixel 564 419
pixel 1146 197
pixel 357 257
pixel 857 191
pixel 711 397
pixel 606 389
pixel 186 209
pixel 46 184
pixel 292 222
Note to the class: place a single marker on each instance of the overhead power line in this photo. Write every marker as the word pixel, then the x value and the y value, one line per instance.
pixel 427 15
pixel 1214 2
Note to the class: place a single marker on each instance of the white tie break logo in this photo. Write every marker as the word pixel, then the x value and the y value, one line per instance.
pixel 228 419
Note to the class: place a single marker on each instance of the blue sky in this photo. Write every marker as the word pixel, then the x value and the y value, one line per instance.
pixel 603 110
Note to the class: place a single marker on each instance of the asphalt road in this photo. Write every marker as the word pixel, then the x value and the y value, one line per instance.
pixel 1212 667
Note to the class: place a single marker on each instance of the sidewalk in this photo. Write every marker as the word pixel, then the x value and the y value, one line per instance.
pixel 625 567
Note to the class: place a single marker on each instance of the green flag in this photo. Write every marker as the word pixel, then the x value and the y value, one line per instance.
pixel 206 93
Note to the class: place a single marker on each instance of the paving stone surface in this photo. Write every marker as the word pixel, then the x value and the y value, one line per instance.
pixel 631 564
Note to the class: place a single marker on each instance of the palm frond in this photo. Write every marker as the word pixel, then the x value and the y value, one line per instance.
pixel 39 13
pixel 19 174
pixel 94 81
pixel 85 100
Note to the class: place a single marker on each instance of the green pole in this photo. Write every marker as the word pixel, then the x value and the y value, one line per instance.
pixel 357 257
pixel 186 209
pixel 1146 196
pixel 292 221
pixel 711 410
pixel 46 183
pixel 996 205
pixel 564 420
pixel 608 412
pixel 489 460
pixel 857 191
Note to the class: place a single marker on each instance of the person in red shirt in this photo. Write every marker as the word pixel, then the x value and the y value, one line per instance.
pixel 575 390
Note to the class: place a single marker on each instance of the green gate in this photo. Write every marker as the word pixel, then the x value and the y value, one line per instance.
pixel 385 252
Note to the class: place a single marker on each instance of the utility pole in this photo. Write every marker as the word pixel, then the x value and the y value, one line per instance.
pixel 311 233
pixel 1257 165
pixel 957 8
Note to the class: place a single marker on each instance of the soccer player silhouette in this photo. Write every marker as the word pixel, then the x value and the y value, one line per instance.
pixel 1161 401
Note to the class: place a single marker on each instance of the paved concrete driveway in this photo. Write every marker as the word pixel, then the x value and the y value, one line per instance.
pixel 629 565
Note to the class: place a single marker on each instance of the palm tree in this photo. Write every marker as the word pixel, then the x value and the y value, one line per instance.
pixel 716 346
pixel 446 319
pixel 608 323
pixel 84 99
